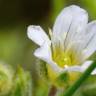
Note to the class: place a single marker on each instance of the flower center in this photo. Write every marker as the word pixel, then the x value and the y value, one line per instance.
pixel 64 58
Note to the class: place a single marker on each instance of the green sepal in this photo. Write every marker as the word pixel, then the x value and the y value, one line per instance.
pixel 42 70
pixel 62 80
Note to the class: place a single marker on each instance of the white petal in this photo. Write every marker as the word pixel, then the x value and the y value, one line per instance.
pixel 72 69
pixel 71 21
pixel 90 47
pixel 76 52
pixel 86 65
pixel 37 35
pixel 55 66
pixel 79 68
pixel 44 53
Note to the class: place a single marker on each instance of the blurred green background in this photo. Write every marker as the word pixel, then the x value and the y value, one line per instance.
pixel 15 15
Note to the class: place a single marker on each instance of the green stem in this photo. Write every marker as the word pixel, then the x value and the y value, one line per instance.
pixel 76 85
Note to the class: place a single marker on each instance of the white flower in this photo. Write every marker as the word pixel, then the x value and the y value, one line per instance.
pixel 73 41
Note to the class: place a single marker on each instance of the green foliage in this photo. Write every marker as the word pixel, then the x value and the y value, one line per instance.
pixel 89 86
pixel 22 83
pixel 6 76
pixel 57 6
pixel 14 83
pixel 90 6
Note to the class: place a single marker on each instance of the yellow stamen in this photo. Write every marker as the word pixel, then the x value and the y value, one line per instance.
pixel 61 58
pixel 65 58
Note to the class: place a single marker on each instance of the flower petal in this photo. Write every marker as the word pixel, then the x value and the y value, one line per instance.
pixel 44 53
pixel 37 34
pixel 71 21
pixel 90 47
pixel 79 68
pixel 72 68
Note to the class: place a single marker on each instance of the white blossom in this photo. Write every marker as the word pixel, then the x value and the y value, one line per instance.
pixel 73 41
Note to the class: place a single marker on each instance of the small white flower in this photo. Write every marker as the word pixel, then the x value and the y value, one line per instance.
pixel 73 41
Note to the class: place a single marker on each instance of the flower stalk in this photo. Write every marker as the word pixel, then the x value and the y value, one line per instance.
pixel 52 91
pixel 82 78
